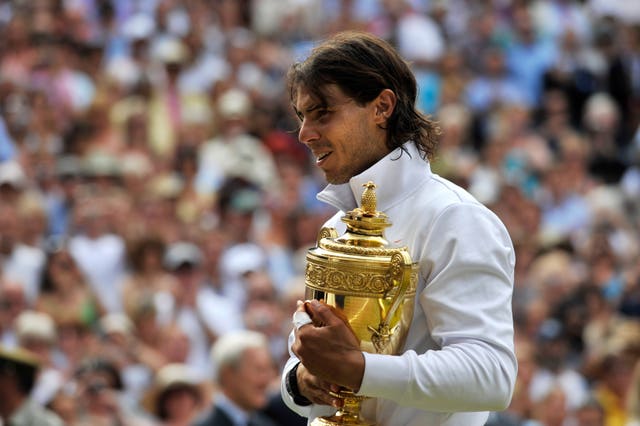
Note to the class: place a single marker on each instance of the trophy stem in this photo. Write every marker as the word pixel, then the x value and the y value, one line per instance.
pixel 349 414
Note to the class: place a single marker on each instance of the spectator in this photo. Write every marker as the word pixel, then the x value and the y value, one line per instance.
pixel 234 152
pixel 263 313
pixel 408 25
pixel 64 292
pixel 244 371
pixel 99 253
pixel 555 379
pixel 176 397
pixel 167 99
pixel 36 332
pixel 136 361
pixel 19 262
pixel 555 18
pixel 202 314
pixel 147 279
pixel 17 376
pixel 529 55
pixel 590 414
pixel 494 86
pixel 612 385
pixel 99 395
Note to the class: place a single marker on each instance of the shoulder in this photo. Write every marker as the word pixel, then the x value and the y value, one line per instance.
pixel 447 192
pixel 34 414
pixel 435 198
pixel 213 417
pixel 260 419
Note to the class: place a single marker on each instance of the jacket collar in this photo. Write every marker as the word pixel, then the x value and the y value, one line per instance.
pixel 396 175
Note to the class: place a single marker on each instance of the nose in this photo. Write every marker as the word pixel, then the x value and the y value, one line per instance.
pixel 308 132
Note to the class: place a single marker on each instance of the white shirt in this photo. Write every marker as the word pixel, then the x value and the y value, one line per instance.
pixel 25 265
pixel 458 362
pixel 221 314
pixel 102 260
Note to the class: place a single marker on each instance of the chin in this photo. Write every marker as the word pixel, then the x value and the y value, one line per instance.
pixel 337 180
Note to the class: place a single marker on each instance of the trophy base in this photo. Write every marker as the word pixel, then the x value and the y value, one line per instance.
pixel 349 414
pixel 338 420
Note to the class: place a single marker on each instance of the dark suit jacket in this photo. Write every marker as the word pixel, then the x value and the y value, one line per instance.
pixel 217 417
pixel 281 414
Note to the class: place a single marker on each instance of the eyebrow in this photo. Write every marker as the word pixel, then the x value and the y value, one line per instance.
pixel 310 109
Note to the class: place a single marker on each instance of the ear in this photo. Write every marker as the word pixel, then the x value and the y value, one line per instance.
pixel 384 105
pixel 224 375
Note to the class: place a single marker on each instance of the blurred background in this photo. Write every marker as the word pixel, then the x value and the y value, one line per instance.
pixel 154 196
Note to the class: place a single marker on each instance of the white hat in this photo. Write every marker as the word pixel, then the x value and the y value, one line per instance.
pixel 234 103
pixel 170 50
pixel 139 27
pixel 242 258
pixel 171 376
pixel 116 323
pixel 101 164
pixel 182 253
pixel 175 374
pixel 11 173
pixel 123 71
pixel 33 324
pixel 166 186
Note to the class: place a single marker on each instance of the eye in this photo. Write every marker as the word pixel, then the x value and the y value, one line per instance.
pixel 322 114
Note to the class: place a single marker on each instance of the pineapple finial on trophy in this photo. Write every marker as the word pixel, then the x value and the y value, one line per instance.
pixel 369 201
pixel 367 220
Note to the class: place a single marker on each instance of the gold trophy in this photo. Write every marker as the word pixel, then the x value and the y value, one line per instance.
pixel 372 284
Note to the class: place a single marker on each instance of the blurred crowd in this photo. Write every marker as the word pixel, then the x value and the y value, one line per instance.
pixel 154 197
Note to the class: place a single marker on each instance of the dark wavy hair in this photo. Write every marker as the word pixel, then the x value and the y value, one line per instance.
pixel 363 65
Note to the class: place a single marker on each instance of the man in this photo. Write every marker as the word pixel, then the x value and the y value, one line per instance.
pixel 36 333
pixel 18 369
pixel 201 312
pixel 355 98
pixel 176 396
pixel 19 261
pixel 245 369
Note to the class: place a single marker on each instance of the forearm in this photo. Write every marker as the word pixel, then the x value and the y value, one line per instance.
pixel 462 377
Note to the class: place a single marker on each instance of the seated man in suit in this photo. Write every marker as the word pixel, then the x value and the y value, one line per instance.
pixel 244 370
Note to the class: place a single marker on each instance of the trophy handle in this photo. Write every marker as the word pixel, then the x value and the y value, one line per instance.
pixel 326 232
pixel 398 271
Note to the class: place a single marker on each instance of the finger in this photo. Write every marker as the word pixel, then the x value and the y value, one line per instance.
pixel 322 395
pixel 332 394
pixel 300 319
pixel 324 398
pixel 321 313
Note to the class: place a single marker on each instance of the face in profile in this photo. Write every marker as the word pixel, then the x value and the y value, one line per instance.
pixel 344 137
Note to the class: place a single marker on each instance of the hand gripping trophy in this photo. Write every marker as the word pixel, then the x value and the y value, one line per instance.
pixel 371 284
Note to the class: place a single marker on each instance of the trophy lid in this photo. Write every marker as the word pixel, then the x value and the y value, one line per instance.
pixel 365 224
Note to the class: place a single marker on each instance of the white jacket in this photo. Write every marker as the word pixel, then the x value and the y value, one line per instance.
pixel 458 362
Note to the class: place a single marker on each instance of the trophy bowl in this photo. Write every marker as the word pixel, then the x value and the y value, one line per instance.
pixel 372 284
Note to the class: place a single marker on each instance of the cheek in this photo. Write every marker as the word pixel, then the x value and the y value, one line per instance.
pixel 182 402
pixel 255 384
